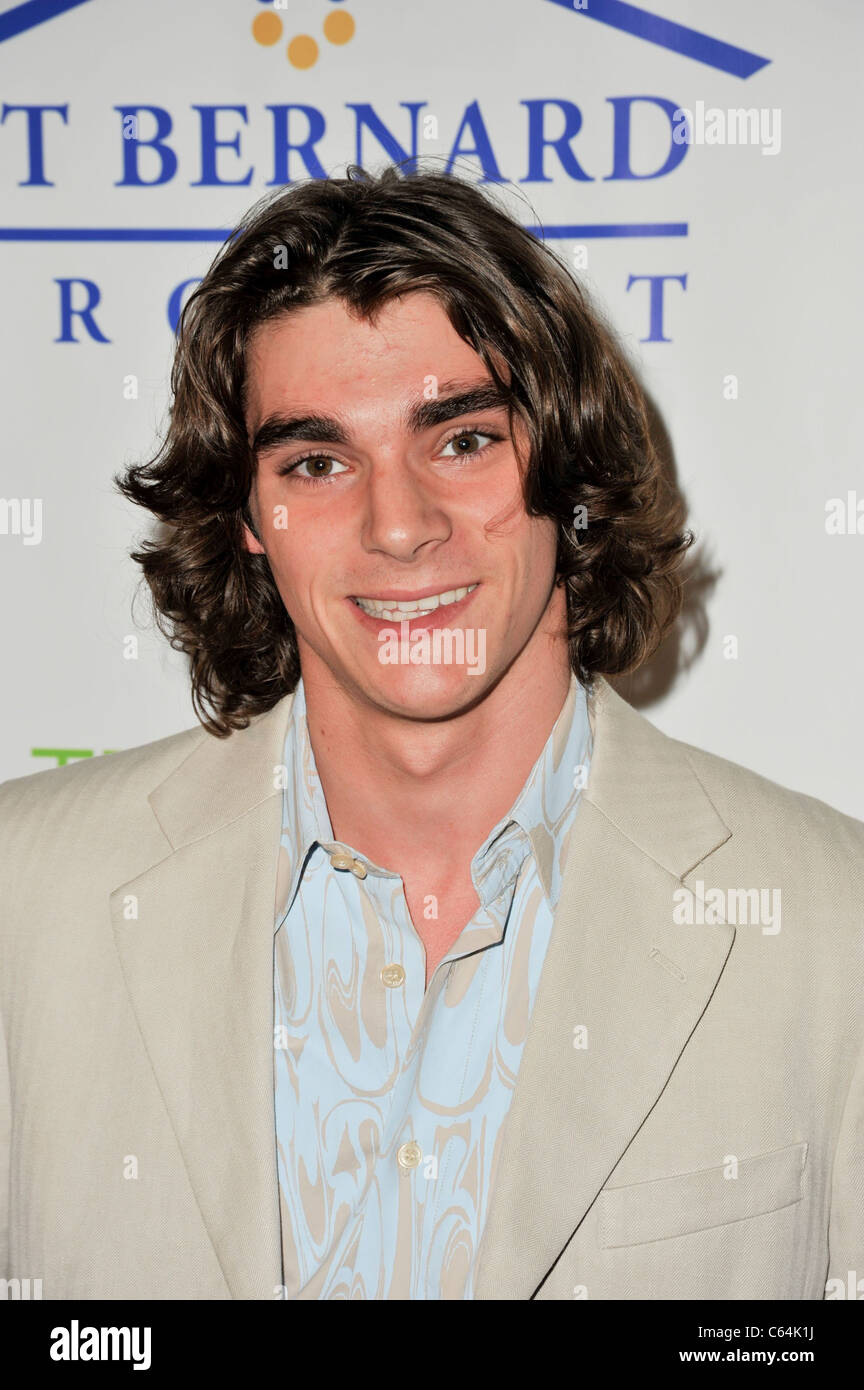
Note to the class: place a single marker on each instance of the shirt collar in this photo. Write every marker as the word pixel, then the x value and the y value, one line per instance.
pixel 543 811
pixel 539 818
pixel 305 818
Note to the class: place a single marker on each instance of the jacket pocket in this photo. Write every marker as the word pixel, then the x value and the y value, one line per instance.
pixel 676 1206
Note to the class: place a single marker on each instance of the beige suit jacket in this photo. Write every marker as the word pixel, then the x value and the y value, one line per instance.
pixel 688 1120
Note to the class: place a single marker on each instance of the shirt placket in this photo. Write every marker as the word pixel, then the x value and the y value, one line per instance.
pixel 402 975
pixel 494 873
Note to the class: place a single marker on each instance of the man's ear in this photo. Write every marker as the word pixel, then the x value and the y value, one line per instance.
pixel 251 541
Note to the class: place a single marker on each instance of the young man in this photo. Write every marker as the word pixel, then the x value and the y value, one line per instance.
pixel 425 967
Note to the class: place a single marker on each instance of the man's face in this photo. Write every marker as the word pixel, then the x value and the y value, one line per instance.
pixel 403 497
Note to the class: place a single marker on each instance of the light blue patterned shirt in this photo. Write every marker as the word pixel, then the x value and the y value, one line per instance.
pixel 390 1097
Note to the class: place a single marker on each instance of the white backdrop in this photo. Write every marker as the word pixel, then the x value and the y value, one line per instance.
pixel 767 291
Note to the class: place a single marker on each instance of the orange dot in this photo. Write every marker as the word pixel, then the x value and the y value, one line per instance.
pixel 266 28
pixel 302 51
pixel 339 26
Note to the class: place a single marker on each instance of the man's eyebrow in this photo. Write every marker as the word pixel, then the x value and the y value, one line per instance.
pixel 453 400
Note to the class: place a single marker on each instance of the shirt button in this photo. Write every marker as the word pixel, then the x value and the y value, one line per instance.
pixel 341 860
pixel 393 976
pixel 409 1155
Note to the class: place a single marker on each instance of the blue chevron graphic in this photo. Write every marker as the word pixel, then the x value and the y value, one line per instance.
pixel 23 17
pixel 738 62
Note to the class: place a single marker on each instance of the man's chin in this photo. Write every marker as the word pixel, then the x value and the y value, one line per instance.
pixel 427 693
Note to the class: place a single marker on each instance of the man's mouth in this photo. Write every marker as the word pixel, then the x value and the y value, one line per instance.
pixel 392 610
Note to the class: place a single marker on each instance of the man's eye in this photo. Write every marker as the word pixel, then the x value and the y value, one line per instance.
pixel 319 465
pixel 465 436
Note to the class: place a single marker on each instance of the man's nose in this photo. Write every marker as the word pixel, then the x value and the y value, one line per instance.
pixel 401 512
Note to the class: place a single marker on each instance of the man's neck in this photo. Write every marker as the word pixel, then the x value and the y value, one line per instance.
pixel 408 793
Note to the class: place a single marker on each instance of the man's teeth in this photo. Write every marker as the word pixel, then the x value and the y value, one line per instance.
pixel 414 608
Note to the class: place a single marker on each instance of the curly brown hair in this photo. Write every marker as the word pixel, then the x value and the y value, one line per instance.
pixel 366 238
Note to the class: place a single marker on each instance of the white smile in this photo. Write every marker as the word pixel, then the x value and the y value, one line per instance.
pixel 415 608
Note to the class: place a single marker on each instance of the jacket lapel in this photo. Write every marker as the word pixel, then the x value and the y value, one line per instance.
pixel 618 967
pixel 198 965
